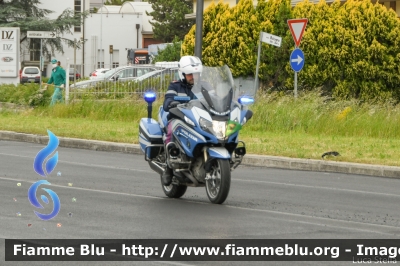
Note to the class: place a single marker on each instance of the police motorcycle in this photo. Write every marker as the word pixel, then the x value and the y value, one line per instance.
pixel 205 145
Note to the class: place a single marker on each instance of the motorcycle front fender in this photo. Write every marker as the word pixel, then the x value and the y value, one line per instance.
pixel 218 152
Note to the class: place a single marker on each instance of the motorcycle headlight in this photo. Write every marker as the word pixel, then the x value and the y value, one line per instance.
pixel 205 124
pixel 219 129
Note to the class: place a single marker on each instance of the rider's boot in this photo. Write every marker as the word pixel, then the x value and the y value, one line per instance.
pixel 167 176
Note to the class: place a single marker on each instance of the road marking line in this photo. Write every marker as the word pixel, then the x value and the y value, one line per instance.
pixel 86 164
pixel 329 188
pixel 249 209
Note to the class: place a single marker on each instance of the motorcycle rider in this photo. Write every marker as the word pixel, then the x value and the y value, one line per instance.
pixel 189 67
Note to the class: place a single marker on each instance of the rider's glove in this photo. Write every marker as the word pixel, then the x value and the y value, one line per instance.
pixel 173 104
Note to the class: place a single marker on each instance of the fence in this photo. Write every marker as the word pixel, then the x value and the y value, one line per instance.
pixel 123 82
pixel 133 81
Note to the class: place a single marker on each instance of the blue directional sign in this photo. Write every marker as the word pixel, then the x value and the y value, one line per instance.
pixel 297 59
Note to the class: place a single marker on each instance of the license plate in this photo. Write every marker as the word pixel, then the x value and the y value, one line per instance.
pixel 30 80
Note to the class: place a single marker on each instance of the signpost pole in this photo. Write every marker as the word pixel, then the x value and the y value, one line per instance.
pixel 74 62
pixel 258 64
pixel 67 83
pixel 40 66
pixel 295 84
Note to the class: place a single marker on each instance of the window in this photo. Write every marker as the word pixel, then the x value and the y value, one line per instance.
pixel 78 9
pixel 126 73
pixel 100 64
pixel 115 64
pixel 34 50
pixel 31 71
pixel 142 71
pixel 393 5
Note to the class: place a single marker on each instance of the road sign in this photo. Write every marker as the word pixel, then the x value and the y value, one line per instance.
pixel 9 54
pixel 297 59
pixel 271 39
pixel 41 34
pixel 297 27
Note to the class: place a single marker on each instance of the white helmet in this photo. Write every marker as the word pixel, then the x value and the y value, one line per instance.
pixel 189 65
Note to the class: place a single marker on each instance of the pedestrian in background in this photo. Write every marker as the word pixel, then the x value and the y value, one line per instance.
pixel 58 79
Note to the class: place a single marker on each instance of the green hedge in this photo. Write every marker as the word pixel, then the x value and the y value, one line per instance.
pixel 351 50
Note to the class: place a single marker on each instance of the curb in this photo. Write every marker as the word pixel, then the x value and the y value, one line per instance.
pixel 250 159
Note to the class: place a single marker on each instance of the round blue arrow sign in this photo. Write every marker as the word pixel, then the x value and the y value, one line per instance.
pixel 297 59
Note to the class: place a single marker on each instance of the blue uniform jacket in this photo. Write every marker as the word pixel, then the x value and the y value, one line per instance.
pixel 177 88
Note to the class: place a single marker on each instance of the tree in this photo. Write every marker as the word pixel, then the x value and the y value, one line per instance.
pixel 230 37
pixel 26 15
pixel 169 18
pixel 273 16
pixel 172 52
pixel 214 17
pixel 352 49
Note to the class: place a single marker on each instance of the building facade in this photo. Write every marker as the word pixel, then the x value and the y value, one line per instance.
pixel 125 27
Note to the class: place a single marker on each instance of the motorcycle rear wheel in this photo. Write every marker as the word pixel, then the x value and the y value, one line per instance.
pixel 174 191
pixel 218 187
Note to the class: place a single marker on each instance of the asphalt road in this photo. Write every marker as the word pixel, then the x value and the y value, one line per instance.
pixel 117 196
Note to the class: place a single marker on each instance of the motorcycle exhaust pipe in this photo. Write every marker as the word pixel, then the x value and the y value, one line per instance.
pixel 155 167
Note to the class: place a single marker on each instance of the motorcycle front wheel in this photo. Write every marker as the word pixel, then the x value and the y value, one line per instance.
pixel 219 182
pixel 174 191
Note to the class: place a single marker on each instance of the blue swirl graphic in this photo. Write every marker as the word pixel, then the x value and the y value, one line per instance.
pixel 44 153
pixel 32 198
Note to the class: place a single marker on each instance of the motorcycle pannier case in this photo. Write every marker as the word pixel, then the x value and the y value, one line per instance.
pixel 150 137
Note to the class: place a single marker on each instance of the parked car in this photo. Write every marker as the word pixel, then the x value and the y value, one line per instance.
pixel 72 72
pixel 30 74
pixel 120 74
pixel 98 73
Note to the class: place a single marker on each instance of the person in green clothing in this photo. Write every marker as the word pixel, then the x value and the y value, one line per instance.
pixel 58 78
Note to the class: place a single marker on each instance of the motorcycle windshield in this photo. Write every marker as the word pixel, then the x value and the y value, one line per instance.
pixel 214 87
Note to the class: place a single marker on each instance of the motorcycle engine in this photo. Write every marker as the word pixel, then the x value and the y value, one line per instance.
pixel 198 169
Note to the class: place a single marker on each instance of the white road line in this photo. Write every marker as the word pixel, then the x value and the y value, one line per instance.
pixel 329 188
pixel 355 224
pixel 85 164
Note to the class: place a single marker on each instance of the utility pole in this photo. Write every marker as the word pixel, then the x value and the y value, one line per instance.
pixel 199 29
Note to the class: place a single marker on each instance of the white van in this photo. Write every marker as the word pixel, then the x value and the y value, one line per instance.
pixel 165 64
pixel 30 74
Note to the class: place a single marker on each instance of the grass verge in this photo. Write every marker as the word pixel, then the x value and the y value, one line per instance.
pixel 281 126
